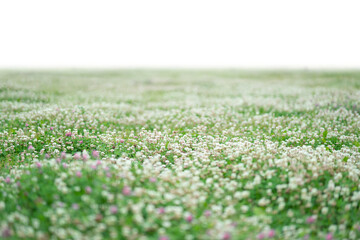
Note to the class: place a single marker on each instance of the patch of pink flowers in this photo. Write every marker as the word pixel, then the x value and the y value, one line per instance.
pixel 310 219
pixel 88 190
pixel 126 191
pixel 226 236
pixel 85 156
pixel 261 236
pixel 75 206
pixel 264 235
pixel 113 209
pixel 95 154
pixel 189 218
pixel 6 233
pixel 77 156
pixel 161 210
pixel 207 213
pixel 329 236
pixel 271 233
pixel 7 179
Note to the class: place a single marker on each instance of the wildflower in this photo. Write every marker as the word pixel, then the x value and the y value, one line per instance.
pixel 310 219
pixel 126 191
pixel 329 236
pixel 75 206
pixel 207 213
pixel 98 217
pixel 161 210
pixel 6 232
pixel 7 179
pixel 113 209
pixel 95 154
pixel 85 157
pixel 226 236
pixel 88 190
pixel 261 236
pixel 189 218
pixel 271 233
pixel 324 210
pixel 244 208
pixel 213 153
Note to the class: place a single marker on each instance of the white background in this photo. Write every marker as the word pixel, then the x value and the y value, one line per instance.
pixel 184 33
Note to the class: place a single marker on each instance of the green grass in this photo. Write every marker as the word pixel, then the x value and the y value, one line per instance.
pixel 205 154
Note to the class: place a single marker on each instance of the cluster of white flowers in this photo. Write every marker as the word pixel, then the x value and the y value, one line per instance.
pixel 198 156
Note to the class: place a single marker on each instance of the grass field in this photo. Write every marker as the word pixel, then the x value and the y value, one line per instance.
pixel 165 154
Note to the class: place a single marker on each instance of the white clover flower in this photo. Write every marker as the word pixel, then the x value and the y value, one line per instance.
pixel 324 210
pixel 244 208
pixel 2 205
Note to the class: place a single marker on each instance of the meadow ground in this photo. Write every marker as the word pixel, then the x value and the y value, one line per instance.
pixel 139 154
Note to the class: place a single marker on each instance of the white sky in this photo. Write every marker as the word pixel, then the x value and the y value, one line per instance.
pixel 181 33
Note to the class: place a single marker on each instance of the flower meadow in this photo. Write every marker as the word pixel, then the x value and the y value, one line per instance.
pixel 165 154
